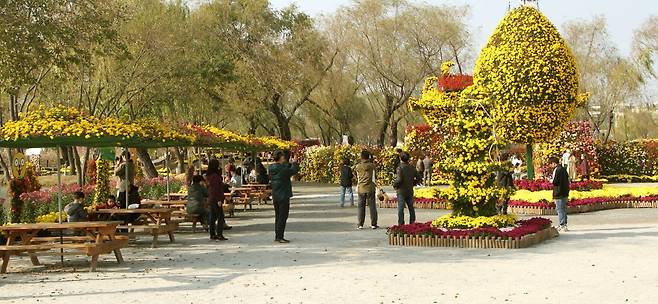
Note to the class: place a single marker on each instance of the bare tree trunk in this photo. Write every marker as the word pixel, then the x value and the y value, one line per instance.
pixel 78 166
pixel 85 159
pixel 393 140
pixel 5 168
pixel 180 166
pixel 74 169
pixel 386 120
pixel 65 157
pixel 147 163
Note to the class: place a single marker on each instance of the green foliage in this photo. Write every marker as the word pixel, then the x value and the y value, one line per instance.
pixel 635 158
pixel 321 164
pixel 156 188
pixel 59 34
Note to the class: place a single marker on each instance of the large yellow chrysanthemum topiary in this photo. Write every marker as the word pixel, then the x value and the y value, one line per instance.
pixel 531 77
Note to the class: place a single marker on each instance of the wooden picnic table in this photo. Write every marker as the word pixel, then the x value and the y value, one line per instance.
pixel 99 238
pixel 178 204
pixel 176 196
pixel 262 192
pixel 154 221
pixel 257 185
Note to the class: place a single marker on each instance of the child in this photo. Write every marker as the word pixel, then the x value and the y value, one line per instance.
pixel 111 202
pixel 76 210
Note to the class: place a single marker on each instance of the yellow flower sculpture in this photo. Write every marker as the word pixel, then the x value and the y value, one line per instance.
pixel 530 75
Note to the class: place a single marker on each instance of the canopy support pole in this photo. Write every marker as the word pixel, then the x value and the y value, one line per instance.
pixel 128 185
pixel 167 168
pixel 59 202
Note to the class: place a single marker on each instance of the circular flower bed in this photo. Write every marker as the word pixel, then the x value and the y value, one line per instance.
pixel 521 228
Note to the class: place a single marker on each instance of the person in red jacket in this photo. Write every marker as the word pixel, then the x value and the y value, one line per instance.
pixel 215 201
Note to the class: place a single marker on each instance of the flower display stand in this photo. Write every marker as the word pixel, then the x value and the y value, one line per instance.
pixel 612 204
pixel 472 242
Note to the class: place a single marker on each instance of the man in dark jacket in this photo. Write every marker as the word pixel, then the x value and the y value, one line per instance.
pixel 407 178
pixel 560 191
pixel 346 178
pixel 281 172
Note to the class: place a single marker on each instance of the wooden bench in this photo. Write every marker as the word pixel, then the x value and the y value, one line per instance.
pixel 99 239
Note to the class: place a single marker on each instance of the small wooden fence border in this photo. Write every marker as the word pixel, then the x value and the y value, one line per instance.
pixel 393 203
pixel 538 210
pixel 469 242
pixel 529 210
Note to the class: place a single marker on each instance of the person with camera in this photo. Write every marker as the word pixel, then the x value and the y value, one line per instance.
pixel 365 175
pixel 281 172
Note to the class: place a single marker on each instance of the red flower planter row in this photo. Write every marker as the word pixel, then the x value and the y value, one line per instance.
pixel 584 205
pixel 528 233
pixel 539 185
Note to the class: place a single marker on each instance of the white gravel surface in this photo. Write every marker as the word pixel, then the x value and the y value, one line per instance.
pixel 609 257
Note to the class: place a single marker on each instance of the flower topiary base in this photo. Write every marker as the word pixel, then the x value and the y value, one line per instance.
pixel 472 242
pixel 419 203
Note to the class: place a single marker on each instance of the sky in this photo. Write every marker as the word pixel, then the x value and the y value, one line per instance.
pixel 623 16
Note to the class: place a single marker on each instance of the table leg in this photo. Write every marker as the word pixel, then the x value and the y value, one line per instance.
pixel 117 254
pixel 155 240
pixel 26 239
pixel 94 262
pixel 5 262
pixel 171 236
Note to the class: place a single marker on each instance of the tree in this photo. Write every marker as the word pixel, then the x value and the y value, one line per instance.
pixel 613 81
pixel 48 38
pixel 529 72
pixel 279 53
pixel 645 45
pixel 396 44
pixel 43 36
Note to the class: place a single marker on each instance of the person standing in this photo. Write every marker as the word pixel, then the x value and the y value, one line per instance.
pixel 560 182
pixel 280 174
pixel 346 183
pixel 504 179
pixel 248 165
pixel 565 159
pixel 230 170
pixel 365 173
pixel 584 166
pixel 428 163
pixel 126 179
pixel 215 200
pixel 572 169
pixel 407 178
pixel 420 165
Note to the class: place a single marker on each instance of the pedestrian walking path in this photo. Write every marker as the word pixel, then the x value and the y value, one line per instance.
pixel 608 257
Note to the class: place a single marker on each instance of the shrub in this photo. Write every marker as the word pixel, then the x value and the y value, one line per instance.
pixel 629 158
pixel 156 188
pixel 321 164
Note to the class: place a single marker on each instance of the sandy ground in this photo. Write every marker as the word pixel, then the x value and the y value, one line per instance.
pixel 609 257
